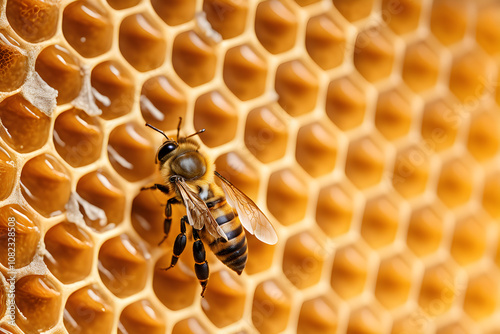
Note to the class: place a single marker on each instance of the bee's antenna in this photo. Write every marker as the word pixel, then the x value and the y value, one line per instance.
pixel 179 127
pixel 156 129
pixel 196 133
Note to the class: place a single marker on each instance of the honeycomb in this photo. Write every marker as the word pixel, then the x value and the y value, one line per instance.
pixel 367 130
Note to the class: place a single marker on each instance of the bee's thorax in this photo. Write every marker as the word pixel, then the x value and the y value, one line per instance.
pixel 189 165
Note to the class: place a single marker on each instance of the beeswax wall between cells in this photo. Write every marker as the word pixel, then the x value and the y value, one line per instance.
pixel 368 131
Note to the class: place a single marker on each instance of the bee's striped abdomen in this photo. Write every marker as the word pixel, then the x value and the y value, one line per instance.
pixel 233 252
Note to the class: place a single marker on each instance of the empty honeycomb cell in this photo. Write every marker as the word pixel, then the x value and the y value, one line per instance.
pixel 374 55
pixel 67 244
pixel 112 89
pixel 87 28
pixel 141 317
pixel 13 63
pixel 421 66
pixel 102 200
pixel 27 235
pixel 354 10
pixel 190 326
pixel 491 194
pixel 176 288
pixel 142 43
pixel 468 76
pixel 365 321
pixel 481 295
pixel 440 123
pixel 455 182
pixel 469 240
pixel 297 87
pixel 270 307
pixel 393 115
pixel 224 300
pixel 287 196
pixel 239 172
pixel 316 149
pixel 46 185
pixel 131 151
pixel 8 172
pixel 216 114
pixel 38 303
pixel 484 134
pixel 77 137
pixel 162 103
pixel 227 17
pixel 487 28
pixel 193 59
pixel 61 70
pixel 24 127
pixel 147 216
pixel 318 315
pixel 303 260
pixel 122 4
pixel 275 26
pixel 33 20
pixel 349 272
pixel 245 72
pixel 345 103
pixel 334 210
pixel 88 310
pixel 380 221
pixel 364 162
pixel 174 12
pixel 325 41
pixel 393 282
pixel 266 135
pixel 260 255
pixel 439 288
pixel 411 171
pixel 448 21
pixel 425 230
pixel 401 16
pixel 123 265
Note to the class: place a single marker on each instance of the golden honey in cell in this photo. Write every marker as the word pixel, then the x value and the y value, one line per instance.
pixel 189 175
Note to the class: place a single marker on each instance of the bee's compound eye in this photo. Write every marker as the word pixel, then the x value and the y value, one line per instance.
pixel 165 149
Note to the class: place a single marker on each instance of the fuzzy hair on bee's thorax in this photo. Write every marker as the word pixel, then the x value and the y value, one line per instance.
pixel 188 146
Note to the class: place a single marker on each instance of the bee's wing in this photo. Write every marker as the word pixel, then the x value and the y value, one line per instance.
pixel 197 211
pixel 252 219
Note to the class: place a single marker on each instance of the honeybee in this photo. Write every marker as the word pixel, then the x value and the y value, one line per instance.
pixel 189 175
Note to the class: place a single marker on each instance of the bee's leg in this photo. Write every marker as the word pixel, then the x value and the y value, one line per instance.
pixel 179 244
pixel 200 262
pixel 161 187
pixel 168 218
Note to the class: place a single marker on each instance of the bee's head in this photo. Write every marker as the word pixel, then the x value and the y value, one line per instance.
pixel 188 163
pixel 166 149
